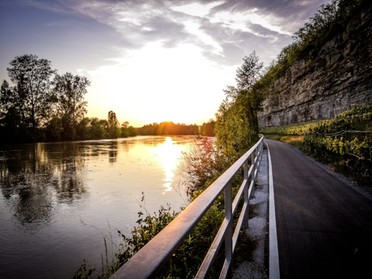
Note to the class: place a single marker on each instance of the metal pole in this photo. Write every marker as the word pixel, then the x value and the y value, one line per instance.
pixel 229 231
pixel 246 195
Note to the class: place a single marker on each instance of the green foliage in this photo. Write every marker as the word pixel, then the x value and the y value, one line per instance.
pixel 84 272
pixel 29 102
pixel 331 19
pixel 328 21
pixel 233 132
pixel 236 126
pixel 185 262
pixel 202 165
pixel 112 125
pixel 148 225
pixel 298 129
pixel 207 129
pixel 127 131
pixel 249 72
pixel 40 105
pixel 69 103
pixel 345 142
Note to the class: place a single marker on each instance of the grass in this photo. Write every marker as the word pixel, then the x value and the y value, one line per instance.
pixel 343 142
pixel 291 134
pixel 294 140
pixel 298 129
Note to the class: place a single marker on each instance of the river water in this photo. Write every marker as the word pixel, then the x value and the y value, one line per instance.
pixel 62 203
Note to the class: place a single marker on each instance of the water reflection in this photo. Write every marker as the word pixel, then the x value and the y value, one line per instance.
pixel 60 199
pixel 113 153
pixel 169 153
pixel 35 177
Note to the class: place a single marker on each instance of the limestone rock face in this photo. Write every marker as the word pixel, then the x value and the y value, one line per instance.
pixel 339 78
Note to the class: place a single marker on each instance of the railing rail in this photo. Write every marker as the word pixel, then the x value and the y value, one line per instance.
pixel 148 261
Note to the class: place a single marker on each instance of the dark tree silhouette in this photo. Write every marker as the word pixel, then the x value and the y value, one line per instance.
pixel 112 125
pixel 69 91
pixel 30 99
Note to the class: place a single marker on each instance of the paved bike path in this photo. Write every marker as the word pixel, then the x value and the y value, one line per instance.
pixel 324 227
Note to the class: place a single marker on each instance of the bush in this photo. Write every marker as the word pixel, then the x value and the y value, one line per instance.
pixel 345 143
pixel 185 262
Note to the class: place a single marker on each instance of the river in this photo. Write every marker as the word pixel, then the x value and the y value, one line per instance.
pixel 60 202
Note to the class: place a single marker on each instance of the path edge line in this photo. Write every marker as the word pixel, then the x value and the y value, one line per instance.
pixel 274 272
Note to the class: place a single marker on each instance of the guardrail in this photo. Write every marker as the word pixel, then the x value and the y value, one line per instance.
pixel 149 260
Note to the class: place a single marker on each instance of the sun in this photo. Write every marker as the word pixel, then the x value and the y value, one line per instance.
pixel 157 84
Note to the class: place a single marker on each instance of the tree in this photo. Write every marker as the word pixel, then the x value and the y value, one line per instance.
pixel 127 131
pixel 233 132
pixel 31 95
pixel 112 125
pixel 207 129
pixel 249 89
pixel 249 72
pixel 9 114
pixel 54 129
pixel 70 105
pixel 236 120
pixel 97 128
pixel 5 99
pixel 82 129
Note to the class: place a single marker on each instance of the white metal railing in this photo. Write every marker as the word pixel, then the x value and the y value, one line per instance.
pixel 146 262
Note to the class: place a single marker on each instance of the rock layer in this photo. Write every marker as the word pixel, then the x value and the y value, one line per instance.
pixel 339 78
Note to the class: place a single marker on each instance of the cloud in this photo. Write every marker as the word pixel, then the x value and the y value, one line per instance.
pixel 225 31
pixel 54 6
pixel 144 53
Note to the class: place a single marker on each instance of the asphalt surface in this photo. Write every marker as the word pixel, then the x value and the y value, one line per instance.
pixel 324 226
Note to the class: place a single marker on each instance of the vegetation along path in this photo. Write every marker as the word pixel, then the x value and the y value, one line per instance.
pixel 324 226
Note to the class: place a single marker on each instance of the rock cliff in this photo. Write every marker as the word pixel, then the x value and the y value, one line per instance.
pixel 339 77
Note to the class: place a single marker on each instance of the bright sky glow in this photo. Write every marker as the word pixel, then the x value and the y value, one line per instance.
pixel 197 9
pixel 150 61
pixel 163 84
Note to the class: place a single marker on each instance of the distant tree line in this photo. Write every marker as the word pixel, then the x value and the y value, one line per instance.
pixel 168 128
pixel 42 105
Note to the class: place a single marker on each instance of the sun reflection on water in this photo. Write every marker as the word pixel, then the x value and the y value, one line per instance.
pixel 169 154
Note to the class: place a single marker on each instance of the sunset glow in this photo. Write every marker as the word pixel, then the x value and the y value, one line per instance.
pixel 156 84
pixel 150 61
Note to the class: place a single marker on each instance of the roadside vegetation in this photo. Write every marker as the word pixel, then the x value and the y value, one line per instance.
pixel 292 133
pixel 343 142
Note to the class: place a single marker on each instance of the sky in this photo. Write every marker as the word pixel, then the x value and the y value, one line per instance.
pixel 151 61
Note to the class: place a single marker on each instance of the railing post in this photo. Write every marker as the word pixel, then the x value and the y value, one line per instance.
pixel 229 230
pixel 246 194
pixel 253 163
